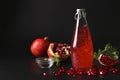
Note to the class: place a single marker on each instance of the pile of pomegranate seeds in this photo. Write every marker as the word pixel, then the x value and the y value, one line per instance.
pixel 96 70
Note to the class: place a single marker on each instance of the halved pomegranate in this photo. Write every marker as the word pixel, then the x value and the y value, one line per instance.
pixel 108 56
pixel 107 60
pixel 61 51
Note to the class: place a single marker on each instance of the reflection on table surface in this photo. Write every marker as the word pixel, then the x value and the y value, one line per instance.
pixel 37 73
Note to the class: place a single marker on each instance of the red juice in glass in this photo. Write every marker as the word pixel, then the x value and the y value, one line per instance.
pixel 82 47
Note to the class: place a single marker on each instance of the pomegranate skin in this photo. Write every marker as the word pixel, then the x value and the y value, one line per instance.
pixel 39 47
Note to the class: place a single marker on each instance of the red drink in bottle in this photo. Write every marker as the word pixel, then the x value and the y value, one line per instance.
pixel 82 47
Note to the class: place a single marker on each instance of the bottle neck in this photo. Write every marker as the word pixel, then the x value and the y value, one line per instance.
pixel 80 16
pixel 83 21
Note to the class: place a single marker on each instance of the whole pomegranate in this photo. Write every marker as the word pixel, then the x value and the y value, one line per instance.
pixel 39 47
pixel 59 51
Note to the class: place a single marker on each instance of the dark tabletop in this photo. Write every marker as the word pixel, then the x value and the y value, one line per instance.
pixel 25 68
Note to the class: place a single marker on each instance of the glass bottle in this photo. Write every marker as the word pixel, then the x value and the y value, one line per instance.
pixel 82 47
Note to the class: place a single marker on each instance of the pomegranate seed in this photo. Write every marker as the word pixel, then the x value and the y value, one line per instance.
pixel 79 72
pixel 102 71
pixel 68 73
pixel 85 71
pixel 62 70
pixel 45 74
pixel 72 69
pixel 58 74
pixel 92 72
pixel 53 72
pixel 74 75
pixel 113 70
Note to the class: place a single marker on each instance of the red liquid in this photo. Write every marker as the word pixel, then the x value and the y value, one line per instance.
pixel 82 53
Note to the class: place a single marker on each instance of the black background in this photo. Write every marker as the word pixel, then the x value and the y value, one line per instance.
pixel 24 20
pixel 21 21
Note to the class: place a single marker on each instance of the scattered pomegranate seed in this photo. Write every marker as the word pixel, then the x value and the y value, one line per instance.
pixel 80 72
pixel 57 74
pixel 92 72
pixel 45 74
pixel 85 71
pixel 62 70
pixel 74 75
pixel 72 72
pixel 53 72
pixel 102 71
pixel 72 69
pixel 113 70
pixel 69 73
